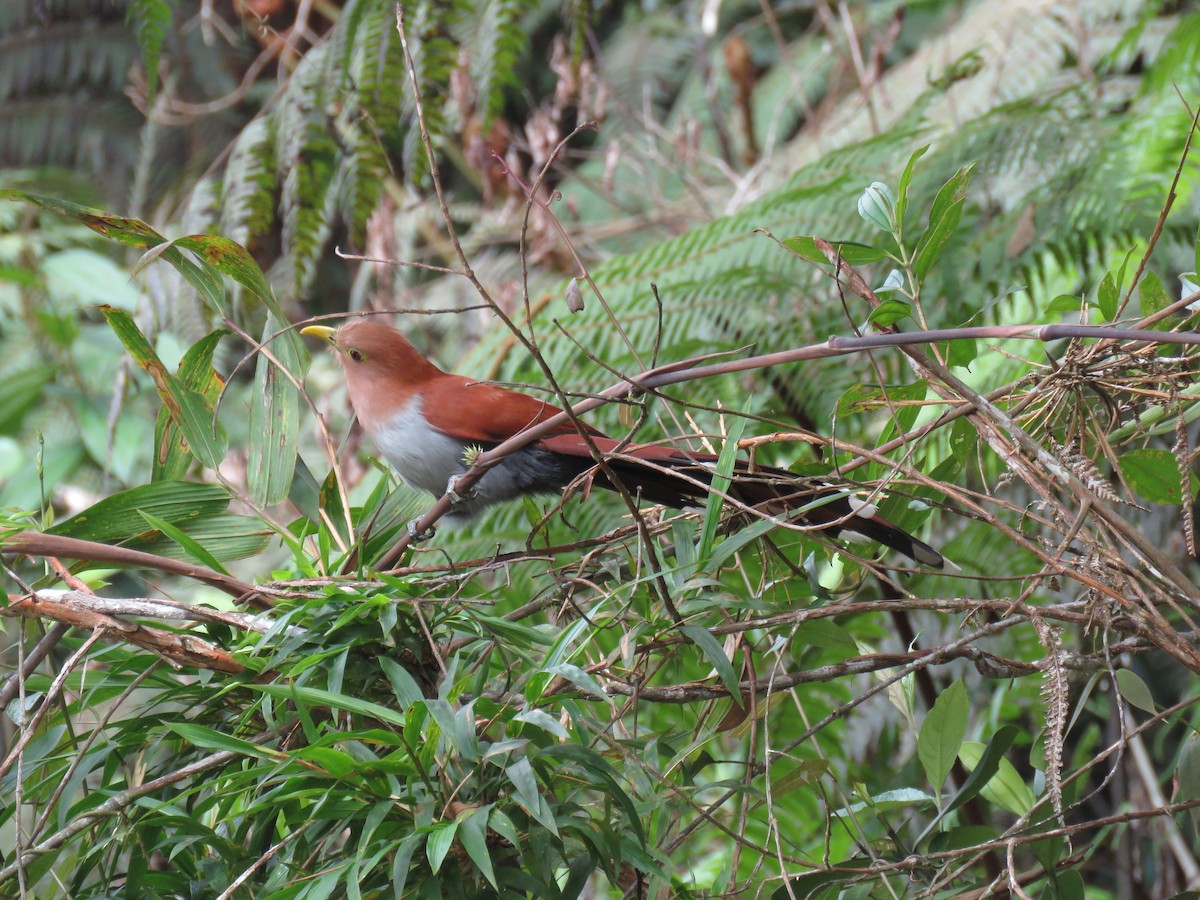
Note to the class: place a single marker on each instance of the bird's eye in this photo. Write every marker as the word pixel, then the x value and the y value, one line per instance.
pixel 356 355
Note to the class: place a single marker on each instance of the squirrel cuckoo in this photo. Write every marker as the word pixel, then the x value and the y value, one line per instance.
pixel 423 421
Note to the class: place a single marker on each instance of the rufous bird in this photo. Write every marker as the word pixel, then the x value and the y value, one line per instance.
pixel 425 423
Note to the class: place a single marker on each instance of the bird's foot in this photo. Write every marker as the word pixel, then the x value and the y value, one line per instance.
pixel 420 535
pixel 455 497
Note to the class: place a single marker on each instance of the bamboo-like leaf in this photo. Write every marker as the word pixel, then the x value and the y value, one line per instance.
pixel 206 439
pixel 226 536
pixel 715 654
pixel 194 548
pixel 171 454
pixel 720 485
pixel 118 517
pixel 274 419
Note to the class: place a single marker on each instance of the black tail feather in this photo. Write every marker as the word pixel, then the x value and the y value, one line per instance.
pixel 673 479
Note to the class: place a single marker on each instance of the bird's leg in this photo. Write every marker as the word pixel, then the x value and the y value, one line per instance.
pixel 455 497
pixel 420 535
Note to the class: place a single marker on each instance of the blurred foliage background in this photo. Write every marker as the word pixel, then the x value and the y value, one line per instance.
pixel 514 711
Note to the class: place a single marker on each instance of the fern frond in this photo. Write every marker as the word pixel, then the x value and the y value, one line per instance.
pixel 150 20
pixel 499 40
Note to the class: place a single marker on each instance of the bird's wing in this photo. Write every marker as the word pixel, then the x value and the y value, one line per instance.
pixel 481 413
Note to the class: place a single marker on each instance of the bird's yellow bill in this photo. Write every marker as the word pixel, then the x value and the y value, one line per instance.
pixel 324 332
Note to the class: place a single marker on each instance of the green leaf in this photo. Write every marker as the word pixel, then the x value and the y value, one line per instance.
pixel 853 252
pixel 808 885
pixel 581 679
pixel 404 686
pixel 889 312
pixel 963 352
pixel 877 206
pixel 438 844
pixel 472 831
pixel 1064 303
pixel 22 389
pixel 942 733
pixel 151 19
pixel 118 517
pixel 172 456
pixel 274 419
pixel 210 739
pixel 189 409
pixel 1107 296
pixel 983 770
pixel 944 217
pixel 720 485
pixel 1152 297
pixel 226 536
pixel 715 654
pixel 1135 691
pixel 233 260
pixel 1005 787
pixel 189 544
pixel 1153 474
pixel 900 798
pixel 317 697
pixel 905 182
pixel 1188 773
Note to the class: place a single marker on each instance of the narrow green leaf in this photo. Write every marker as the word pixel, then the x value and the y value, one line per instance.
pixel 438 844
pixel 226 536
pixel 942 733
pixel 1005 787
pixel 520 775
pixel 472 831
pixel 1135 691
pixel 720 485
pixel 715 654
pixel 1107 296
pixel 186 542
pixel 944 217
pixel 1188 773
pixel 22 389
pixel 132 232
pixel 905 181
pixel 403 860
pixel 274 419
pixel 888 801
pixel 210 739
pixel 1153 474
pixel 404 686
pixel 581 679
pixel 233 260
pixel 1152 297
pixel 204 435
pixel 172 456
pixel 151 19
pixel 853 252
pixel 118 517
pixel 317 697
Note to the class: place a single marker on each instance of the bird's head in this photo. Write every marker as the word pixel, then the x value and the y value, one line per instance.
pixel 382 368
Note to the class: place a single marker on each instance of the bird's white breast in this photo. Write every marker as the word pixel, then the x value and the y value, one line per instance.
pixel 424 457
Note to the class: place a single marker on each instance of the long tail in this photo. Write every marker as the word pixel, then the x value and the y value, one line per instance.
pixel 670 477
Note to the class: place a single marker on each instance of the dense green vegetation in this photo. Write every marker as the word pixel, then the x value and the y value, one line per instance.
pixel 215 687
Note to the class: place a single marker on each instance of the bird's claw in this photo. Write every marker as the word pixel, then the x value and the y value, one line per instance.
pixel 420 535
pixel 455 496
